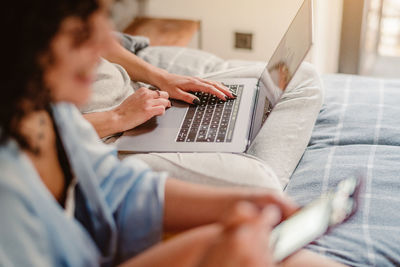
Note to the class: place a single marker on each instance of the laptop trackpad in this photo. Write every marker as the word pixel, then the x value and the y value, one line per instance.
pixel 171 119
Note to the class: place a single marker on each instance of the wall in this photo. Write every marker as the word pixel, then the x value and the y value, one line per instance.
pixel 124 11
pixel 328 25
pixel 266 19
pixel 351 36
pixel 220 18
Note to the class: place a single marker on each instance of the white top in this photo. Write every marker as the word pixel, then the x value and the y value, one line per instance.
pixel 70 199
pixel 111 88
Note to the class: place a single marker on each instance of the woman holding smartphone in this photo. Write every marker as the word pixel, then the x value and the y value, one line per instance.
pixel 65 198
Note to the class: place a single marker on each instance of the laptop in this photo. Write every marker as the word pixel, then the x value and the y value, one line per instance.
pixel 218 126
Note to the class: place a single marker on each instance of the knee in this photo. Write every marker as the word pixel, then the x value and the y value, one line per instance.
pixel 307 83
pixel 308 70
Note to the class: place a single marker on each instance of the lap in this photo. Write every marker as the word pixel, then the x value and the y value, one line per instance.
pixel 220 169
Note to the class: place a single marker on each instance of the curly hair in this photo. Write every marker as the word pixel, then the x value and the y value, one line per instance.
pixel 30 26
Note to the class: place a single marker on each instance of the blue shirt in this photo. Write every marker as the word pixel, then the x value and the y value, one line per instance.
pixel 118 204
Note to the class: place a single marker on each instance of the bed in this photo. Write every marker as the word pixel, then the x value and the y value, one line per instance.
pixel 356 133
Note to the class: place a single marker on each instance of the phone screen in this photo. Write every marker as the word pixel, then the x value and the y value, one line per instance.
pixel 302 228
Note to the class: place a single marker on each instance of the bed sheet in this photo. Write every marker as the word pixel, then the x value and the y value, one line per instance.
pixel 357 133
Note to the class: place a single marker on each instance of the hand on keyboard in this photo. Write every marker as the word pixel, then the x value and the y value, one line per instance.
pixel 212 120
pixel 179 87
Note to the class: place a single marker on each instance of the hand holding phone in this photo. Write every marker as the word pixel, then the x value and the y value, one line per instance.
pixel 315 219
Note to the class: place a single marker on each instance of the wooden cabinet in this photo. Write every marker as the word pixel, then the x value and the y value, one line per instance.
pixel 167 32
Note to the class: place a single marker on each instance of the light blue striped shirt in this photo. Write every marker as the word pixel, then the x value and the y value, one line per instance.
pixel 118 204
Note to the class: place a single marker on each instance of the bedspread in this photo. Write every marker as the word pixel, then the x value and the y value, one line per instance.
pixel 357 132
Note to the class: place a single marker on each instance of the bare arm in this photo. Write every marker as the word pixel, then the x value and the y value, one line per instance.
pixel 239 239
pixel 184 250
pixel 189 205
pixel 135 110
pixel 205 247
pixel 138 69
pixel 105 123
pixel 177 86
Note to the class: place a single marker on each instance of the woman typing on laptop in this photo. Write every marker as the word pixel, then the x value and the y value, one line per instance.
pixel 118 109
pixel 65 199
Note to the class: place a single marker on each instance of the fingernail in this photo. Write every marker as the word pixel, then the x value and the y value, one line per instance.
pixel 234 95
pixel 196 101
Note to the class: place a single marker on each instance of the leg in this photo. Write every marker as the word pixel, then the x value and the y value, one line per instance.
pixel 285 135
pixel 220 169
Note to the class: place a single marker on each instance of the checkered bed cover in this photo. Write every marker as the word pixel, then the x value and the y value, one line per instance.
pixel 357 132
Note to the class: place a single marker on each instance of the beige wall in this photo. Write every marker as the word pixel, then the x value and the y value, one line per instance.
pixel 351 36
pixel 123 12
pixel 328 21
pixel 266 19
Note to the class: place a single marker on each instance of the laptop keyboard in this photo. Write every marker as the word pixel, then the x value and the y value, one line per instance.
pixel 213 120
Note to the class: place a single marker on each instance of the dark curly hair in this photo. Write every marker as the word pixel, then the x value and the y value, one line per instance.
pixel 30 26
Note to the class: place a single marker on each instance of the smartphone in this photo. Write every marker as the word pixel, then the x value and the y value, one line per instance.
pixel 315 219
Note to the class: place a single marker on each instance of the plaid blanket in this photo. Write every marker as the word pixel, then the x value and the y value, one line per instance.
pixel 357 132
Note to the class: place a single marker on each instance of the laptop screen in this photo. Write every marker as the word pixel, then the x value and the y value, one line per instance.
pixel 283 65
pixel 289 54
